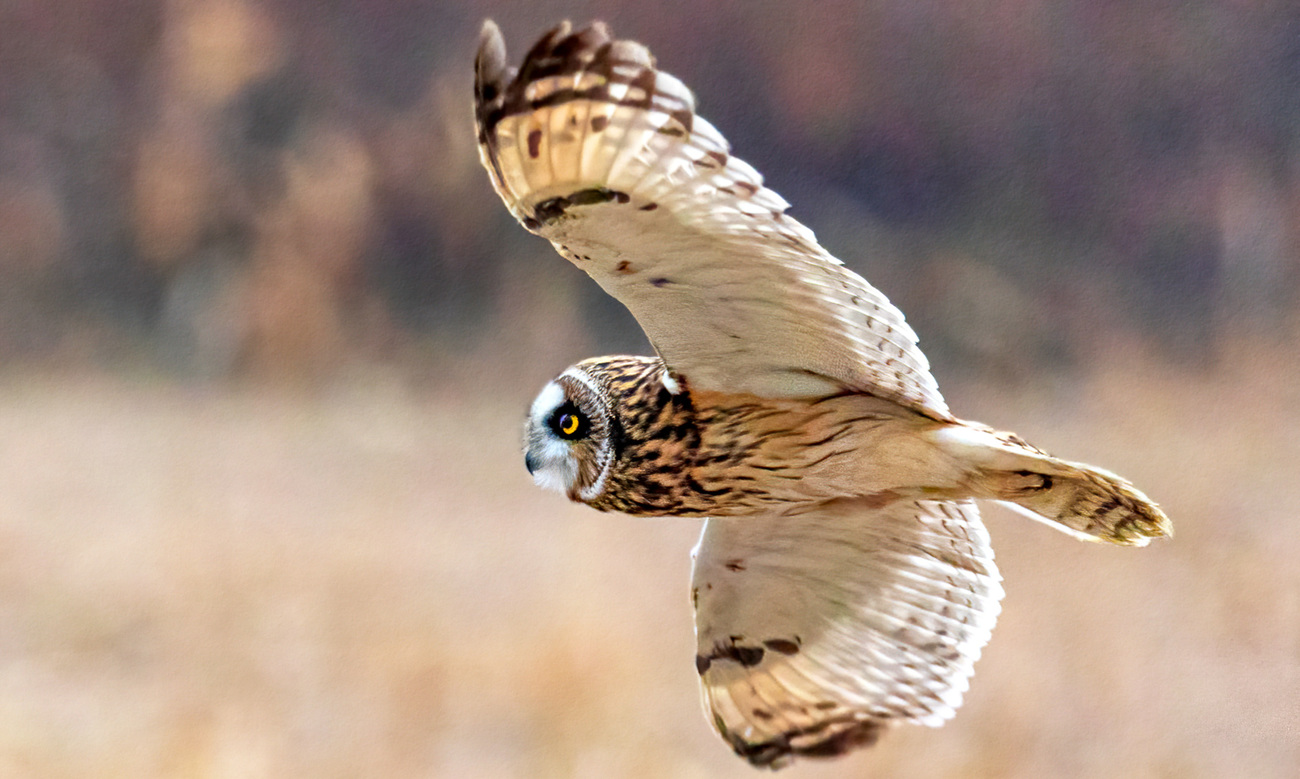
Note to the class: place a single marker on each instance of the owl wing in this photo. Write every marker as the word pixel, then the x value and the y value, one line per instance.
pixel 594 149
pixel 817 631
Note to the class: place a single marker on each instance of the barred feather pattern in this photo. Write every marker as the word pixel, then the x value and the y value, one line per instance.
pixel 685 453
pixel 844 581
pixel 592 147
pixel 817 631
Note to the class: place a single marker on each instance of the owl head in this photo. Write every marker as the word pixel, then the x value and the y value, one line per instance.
pixel 579 424
pixel 567 436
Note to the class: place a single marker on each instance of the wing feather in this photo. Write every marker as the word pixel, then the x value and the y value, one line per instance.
pixel 817 631
pixel 593 148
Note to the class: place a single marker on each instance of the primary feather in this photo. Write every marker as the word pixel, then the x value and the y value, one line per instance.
pixel 844 580
pixel 593 148
pixel 816 631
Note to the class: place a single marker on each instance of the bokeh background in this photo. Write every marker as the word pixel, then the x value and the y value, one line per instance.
pixel 267 338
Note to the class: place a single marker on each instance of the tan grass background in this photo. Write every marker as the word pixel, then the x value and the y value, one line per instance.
pixel 358 579
pixel 267 337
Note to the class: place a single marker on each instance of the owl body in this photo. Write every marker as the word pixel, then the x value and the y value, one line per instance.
pixel 843 581
pixel 669 451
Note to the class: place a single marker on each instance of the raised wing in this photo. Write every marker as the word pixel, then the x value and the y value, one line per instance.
pixel 817 631
pixel 594 149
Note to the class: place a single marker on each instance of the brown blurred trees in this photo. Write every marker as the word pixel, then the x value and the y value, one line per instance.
pixel 275 186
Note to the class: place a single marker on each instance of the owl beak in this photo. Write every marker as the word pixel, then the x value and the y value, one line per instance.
pixel 530 463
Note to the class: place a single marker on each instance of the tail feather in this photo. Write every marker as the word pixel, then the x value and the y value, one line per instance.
pixel 1083 500
pixel 1093 503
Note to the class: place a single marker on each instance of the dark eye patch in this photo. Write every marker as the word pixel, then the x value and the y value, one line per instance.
pixel 569 423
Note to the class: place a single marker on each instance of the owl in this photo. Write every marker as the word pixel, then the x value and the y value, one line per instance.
pixel 843 581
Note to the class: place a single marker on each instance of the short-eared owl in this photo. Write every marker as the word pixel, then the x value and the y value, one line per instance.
pixel 843 581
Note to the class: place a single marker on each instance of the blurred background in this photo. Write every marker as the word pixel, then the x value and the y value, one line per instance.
pixel 267 338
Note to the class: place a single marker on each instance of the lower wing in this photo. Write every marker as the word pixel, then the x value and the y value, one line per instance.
pixel 817 631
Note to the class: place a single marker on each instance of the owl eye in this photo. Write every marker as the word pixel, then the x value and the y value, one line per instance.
pixel 568 422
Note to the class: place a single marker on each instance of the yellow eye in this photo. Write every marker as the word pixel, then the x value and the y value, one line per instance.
pixel 569 424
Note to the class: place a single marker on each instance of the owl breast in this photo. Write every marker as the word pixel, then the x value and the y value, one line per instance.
pixel 695 454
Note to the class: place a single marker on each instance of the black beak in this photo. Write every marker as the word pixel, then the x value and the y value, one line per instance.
pixel 530 463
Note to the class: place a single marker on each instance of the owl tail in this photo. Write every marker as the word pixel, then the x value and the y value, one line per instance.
pixel 1085 501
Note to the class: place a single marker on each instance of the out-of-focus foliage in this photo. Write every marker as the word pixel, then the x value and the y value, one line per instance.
pixel 1090 210
pixel 226 185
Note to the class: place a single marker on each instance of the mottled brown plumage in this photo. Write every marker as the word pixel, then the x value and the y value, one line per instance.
pixel 844 581
pixel 694 454
pixel 720 454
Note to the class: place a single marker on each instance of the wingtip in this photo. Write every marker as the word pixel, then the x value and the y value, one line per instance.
pixel 547 42
pixel 490 63
pixel 828 739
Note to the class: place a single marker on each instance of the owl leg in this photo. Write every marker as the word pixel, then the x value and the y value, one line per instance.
pixel 1083 500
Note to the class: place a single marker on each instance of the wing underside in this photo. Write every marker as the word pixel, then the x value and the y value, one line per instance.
pixel 815 632
pixel 592 147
